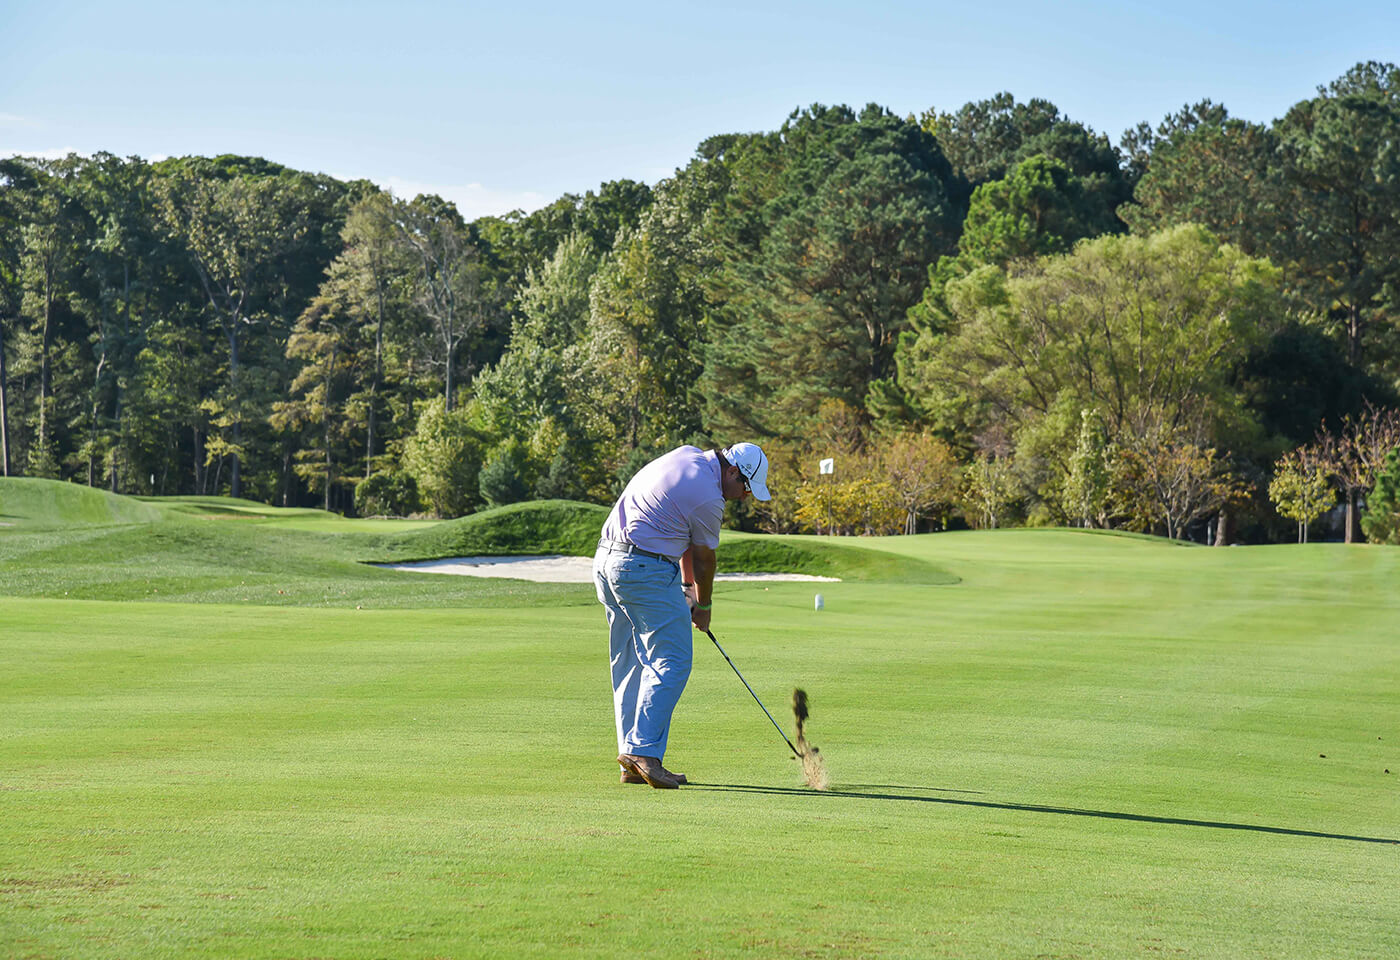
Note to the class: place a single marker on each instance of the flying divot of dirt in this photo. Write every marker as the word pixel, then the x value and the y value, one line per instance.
pixel 813 766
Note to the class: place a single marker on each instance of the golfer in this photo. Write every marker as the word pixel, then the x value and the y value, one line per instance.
pixel 654 571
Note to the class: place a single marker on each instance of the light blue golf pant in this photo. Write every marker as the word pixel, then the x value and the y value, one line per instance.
pixel 649 625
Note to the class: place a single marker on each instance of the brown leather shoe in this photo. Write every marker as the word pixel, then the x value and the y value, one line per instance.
pixel 629 777
pixel 649 769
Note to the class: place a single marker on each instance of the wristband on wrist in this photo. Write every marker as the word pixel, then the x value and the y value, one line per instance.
pixel 703 606
pixel 687 583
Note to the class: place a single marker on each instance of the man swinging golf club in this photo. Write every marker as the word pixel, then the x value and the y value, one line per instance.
pixel 654 570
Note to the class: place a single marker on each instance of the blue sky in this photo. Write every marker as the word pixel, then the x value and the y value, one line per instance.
pixel 505 105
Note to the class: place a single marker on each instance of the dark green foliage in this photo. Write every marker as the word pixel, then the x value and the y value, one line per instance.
pixel 503 476
pixel 1318 193
pixel 982 138
pixel 1041 208
pixel 1341 170
pixel 564 477
pixel 824 240
pixel 1299 380
pixel 985 139
pixel 389 494
pixel 1381 523
pixel 1143 143
pixel 521 242
pixel 1209 168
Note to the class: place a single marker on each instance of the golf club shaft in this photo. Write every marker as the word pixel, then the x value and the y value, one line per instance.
pixel 752 694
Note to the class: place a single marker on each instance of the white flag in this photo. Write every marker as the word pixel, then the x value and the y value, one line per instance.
pixel 828 465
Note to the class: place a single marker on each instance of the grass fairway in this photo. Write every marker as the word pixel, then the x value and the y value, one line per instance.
pixel 1086 746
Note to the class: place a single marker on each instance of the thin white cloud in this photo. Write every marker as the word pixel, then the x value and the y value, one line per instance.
pixel 13 121
pixel 472 199
pixel 56 153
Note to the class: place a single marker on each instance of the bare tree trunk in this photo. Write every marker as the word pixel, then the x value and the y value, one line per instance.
pixel 1353 521
pixel 378 375
pixel 4 409
pixel 92 418
pixel 201 472
pixel 326 427
pixel 114 472
pixel 326 501
pixel 286 478
pixel 238 415
pixel 447 378
pixel 42 445
pixel 1222 529
pixel 119 449
pixel 1354 331
pixel 369 436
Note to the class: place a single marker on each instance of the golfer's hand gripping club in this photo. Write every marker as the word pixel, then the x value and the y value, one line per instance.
pixel 700 618
pixel 697 575
pixel 752 694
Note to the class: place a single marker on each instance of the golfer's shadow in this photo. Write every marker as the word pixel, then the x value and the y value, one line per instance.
pixel 871 792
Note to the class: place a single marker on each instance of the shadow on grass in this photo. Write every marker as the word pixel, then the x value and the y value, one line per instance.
pixel 859 787
pixel 1031 808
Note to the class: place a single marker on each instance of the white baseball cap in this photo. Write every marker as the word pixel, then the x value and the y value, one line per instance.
pixel 753 466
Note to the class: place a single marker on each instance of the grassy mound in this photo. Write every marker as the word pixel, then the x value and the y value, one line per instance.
pixel 62 540
pixel 189 559
pixel 756 553
pixel 536 527
pixel 30 503
pixel 230 507
pixel 571 528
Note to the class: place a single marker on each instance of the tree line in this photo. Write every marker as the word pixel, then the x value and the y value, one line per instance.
pixel 990 315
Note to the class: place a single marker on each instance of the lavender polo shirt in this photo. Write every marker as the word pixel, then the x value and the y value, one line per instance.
pixel 672 502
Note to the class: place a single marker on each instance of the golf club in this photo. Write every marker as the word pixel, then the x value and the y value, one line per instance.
pixel 754 695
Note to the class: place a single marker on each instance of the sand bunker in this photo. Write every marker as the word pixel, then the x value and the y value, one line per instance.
pixel 550 569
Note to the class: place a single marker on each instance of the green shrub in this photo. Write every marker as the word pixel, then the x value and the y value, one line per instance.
pixel 505 476
pixel 387 494
pixel 444 458
pixel 565 476
pixel 1381 524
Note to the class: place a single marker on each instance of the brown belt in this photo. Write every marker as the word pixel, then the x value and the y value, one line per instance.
pixel 622 546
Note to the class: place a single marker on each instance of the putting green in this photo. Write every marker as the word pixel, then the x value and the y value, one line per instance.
pixel 1078 745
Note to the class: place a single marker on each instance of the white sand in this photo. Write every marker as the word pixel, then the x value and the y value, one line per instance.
pixel 551 569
